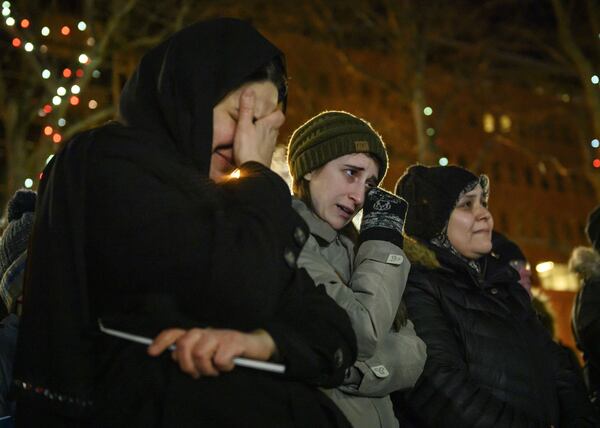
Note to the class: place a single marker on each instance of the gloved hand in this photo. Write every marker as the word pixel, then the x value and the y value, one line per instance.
pixel 383 217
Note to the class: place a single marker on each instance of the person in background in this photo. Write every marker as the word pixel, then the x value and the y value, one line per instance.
pixel 337 160
pixel 13 258
pixel 140 224
pixel 509 252
pixel 490 363
pixel 585 320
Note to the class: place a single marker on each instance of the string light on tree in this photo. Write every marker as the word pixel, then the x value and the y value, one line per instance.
pixel 93 104
pixel 45 31
pixel 443 161
pixel 46 74
pixel 427 111
pixel 48 130
pixel 595 143
pixel 430 132
pixel 28 183
pixel 56 138
pixel 83 58
pixel 67 73
pixel 10 21
pixel 16 42
pixel 96 74
pixel 28 46
pixel 75 89
pixel 6 5
pixel 5 12
pixel 595 79
pixel 56 100
pixel 596 163
pixel 61 91
pixel 25 23
pixel 81 26
pixel 62 122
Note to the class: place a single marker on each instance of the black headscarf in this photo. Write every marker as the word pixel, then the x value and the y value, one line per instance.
pixel 178 83
pixel 167 110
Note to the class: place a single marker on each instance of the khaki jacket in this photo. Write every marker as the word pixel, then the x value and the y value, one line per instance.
pixel 369 287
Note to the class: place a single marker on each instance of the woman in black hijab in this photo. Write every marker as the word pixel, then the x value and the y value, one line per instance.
pixel 139 224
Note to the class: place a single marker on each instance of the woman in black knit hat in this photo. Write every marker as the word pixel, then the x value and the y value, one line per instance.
pixel 490 363
pixel 336 161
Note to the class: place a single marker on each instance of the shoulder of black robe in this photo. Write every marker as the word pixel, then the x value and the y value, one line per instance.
pixel 167 107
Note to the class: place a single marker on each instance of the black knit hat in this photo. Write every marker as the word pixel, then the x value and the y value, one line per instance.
pixel 20 221
pixel 328 136
pixel 432 193
pixel 592 229
pixel 506 249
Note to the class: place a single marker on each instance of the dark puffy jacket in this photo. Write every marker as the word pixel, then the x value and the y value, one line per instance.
pixel 490 362
pixel 586 316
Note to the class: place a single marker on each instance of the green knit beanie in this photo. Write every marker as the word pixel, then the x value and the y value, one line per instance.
pixel 328 136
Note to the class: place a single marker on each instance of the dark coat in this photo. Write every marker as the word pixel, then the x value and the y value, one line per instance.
pixel 490 362
pixel 8 343
pixel 586 316
pixel 129 229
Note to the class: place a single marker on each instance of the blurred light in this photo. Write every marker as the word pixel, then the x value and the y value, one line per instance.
pixel 75 89
pixel 489 123
pixel 10 21
pixel 83 58
pixel 5 12
pixel 93 104
pixel 74 100
pixel 443 161
pixel 430 132
pixel 28 183
pixel 61 91
pixel 81 26
pixel 235 174
pixel 596 163
pixel 45 31
pixel 565 98
pixel 24 23
pixel 48 130
pixel 49 159
pixel 65 31
pixel 48 108
pixel 79 72
pixel 96 74
pixel 544 267
pixel 43 49
pixel 56 100
pixel 505 123
pixel 595 143
pixel 62 122
pixel 28 46
pixel 67 73
pixel 90 41
pixel 427 111
pixel 41 113
pixel 6 5
pixel 46 74
pixel 595 79
pixel 16 42
pixel 56 138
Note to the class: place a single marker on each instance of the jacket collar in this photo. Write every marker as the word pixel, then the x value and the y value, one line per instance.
pixel 317 226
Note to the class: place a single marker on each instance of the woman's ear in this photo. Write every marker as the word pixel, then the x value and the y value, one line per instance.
pixel 308 176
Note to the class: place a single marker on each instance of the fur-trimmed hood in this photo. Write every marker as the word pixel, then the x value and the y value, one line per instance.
pixel 419 254
pixel 585 262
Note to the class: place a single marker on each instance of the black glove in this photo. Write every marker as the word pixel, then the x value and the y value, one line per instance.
pixel 383 217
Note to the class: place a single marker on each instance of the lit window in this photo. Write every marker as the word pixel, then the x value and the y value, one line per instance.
pixel 488 123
